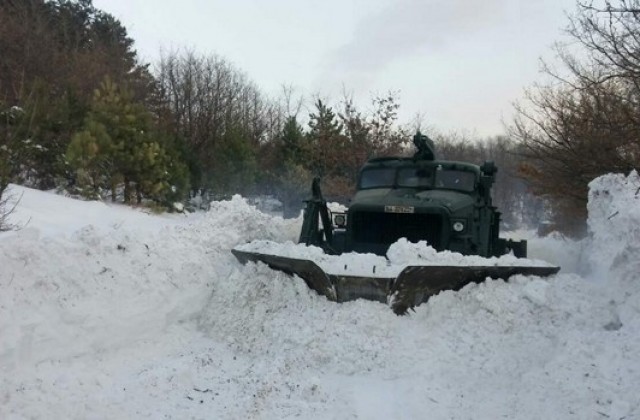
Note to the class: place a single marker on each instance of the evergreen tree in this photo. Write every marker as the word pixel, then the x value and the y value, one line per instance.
pixel 90 153
pixel 292 178
pixel 54 55
pixel 235 162
pixel 325 135
pixel 292 143
pixel 117 147
pixel 358 133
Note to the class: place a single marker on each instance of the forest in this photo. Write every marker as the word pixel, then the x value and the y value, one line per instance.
pixel 80 113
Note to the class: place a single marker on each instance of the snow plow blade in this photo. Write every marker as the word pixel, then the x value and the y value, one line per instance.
pixel 413 286
pixel 307 270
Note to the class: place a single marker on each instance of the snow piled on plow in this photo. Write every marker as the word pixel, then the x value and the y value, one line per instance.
pixel 108 312
pixel 400 255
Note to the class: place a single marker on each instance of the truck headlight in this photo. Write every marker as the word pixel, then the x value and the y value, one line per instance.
pixel 458 226
pixel 339 220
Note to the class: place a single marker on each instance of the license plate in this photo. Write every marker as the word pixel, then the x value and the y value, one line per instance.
pixel 399 209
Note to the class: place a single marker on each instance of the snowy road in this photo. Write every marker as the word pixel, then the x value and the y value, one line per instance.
pixel 108 312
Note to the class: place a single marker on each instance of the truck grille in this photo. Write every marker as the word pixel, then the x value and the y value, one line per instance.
pixel 386 228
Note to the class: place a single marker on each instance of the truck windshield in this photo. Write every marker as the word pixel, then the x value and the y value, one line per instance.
pixel 377 178
pixel 415 178
pixel 455 180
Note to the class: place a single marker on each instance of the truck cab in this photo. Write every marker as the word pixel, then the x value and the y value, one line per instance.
pixel 448 204
pixel 445 203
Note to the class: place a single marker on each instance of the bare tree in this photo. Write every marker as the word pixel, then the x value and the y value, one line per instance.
pixel 511 193
pixel 587 122
pixel 218 112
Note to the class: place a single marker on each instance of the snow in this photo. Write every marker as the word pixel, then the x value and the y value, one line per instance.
pixel 336 207
pixel 112 312
pixel 400 255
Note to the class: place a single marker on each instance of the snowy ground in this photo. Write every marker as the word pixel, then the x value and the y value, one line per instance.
pixel 109 312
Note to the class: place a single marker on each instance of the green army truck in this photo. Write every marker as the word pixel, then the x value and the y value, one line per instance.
pixel 447 204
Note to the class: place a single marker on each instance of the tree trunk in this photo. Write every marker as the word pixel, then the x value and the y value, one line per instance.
pixel 113 191
pixel 127 190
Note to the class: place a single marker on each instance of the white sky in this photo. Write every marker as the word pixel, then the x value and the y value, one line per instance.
pixel 459 63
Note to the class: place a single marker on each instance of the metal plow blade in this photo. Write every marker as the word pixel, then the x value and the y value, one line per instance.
pixel 414 285
pixel 307 270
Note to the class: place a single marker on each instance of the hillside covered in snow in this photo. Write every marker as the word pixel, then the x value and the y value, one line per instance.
pixel 110 312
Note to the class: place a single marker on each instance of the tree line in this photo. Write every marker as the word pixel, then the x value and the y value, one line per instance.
pixel 80 112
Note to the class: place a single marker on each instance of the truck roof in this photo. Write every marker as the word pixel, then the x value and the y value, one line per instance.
pixel 399 162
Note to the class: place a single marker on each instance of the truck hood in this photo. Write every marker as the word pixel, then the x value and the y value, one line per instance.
pixel 451 200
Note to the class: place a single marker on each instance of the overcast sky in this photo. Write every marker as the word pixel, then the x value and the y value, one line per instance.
pixel 459 63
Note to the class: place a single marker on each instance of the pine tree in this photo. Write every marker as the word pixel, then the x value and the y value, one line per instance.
pixel 54 54
pixel 292 143
pixel 118 147
pixel 235 162
pixel 89 152
pixel 325 136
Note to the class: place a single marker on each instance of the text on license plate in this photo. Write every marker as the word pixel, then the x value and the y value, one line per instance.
pixel 399 209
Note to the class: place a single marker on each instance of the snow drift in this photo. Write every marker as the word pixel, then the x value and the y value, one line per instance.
pixel 108 312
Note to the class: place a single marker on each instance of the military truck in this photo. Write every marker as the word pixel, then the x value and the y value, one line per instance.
pixel 446 203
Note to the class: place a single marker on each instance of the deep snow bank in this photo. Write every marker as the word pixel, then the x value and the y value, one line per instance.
pixel 83 276
pixel 530 348
pixel 107 312
pixel 614 222
pixel 614 244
